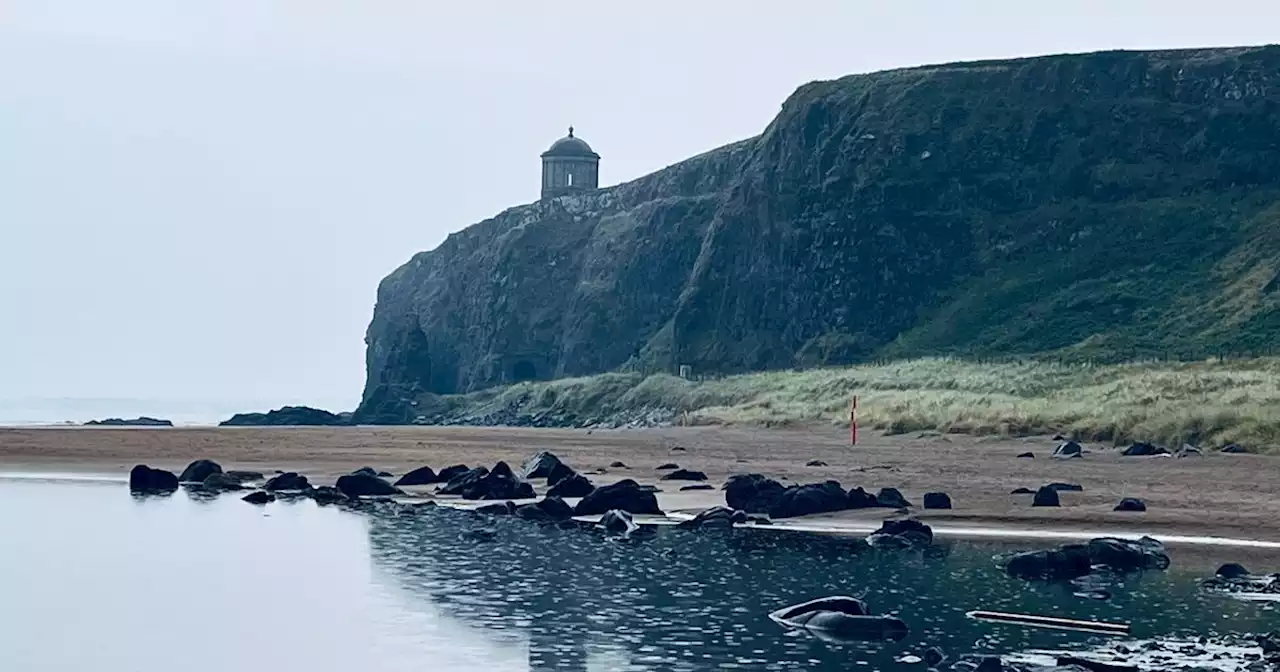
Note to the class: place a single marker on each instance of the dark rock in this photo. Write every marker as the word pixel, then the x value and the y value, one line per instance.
pixel 861 499
pixel 245 476
pixel 1059 437
pixel 1131 504
pixel 220 482
pixel 500 483
pixel 753 493
pixel 287 481
pixel 1141 449
pixel 540 465
pixel 141 421
pixel 684 475
pixel 618 465
pixel 1046 496
pixel 803 500
pixel 559 472
pixel 678 449
pixel 286 416
pixel 548 508
pixel 891 498
pixel 715 517
pixel 363 485
pixel 449 473
pixel 937 500
pixel 617 521
pixel 327 494
pixel 669 465
pixel 419 476
pixel 989 664
pixel 576 485
pixel 1232 570
pixel 697 486
pixel 504 509
pixel 904 533
pixel 650 488
pixel 1027 455
pixel 1234 448
pixel 1076 560
pixel 1065 487
pixel 144 479
pixel 625 495
pixel 385 474
pixel 199 470
pixel 259 497
pixel 462 481
pixel 1093 665
pixel 1022 491
pixel 815 463
pixel 365 471
pixel 1069 449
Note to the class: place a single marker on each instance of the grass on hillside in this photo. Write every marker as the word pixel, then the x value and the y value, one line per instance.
pixel 1209 403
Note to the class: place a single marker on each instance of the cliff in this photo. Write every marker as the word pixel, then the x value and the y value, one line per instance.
pixel 1110 206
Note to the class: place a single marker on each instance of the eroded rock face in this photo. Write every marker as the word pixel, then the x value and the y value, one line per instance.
pixel 877 215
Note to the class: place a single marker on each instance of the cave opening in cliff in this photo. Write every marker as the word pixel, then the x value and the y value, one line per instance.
pixel 524 370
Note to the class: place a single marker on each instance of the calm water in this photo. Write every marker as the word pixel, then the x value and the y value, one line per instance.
pixel 92 578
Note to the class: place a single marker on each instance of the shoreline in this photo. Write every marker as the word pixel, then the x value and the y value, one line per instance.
pixel 1225 503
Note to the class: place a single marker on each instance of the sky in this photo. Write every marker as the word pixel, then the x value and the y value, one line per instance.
pixel 198 199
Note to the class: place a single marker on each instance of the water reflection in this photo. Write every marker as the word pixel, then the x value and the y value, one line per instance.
pixel 686 601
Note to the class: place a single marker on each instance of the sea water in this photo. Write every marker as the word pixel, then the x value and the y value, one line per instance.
pixel 92 577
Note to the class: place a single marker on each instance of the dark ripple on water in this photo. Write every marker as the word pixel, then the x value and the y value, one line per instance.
pixel 691 601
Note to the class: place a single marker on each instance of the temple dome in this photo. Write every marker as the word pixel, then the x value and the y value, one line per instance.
pixel 571 146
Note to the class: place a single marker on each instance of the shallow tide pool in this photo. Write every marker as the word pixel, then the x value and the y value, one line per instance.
pixel 94 578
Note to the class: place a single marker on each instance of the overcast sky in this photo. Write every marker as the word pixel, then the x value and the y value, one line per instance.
pixel 198 198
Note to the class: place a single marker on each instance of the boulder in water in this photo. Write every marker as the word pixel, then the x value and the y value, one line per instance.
pixel 1232 570
pixel 618 522
pixel 838 619
pixel 288 480
pixel 244 476
pixel 259 497
pixel 419 476
pixel 462 481
pixel 685 475
pixel 1131 504
pixel 361 484
pixel 144 479
pixel 365 471
pixel 861 499
pixel 221 482
pixel 575 485
pixel 1046 496
pixel 540 465
pixel 1072 561
pixel 625 495
pixel 891 498
pixel 327 494
pixel 667 466
pixel 753 493
pixel 803 500
pixel 199 470
pixel 937 500
pixel 715 517
pixel 903 533
pixel 500 483
pixel 548 508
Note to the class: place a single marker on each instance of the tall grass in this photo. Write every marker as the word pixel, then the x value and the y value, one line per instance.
pixel 1209 403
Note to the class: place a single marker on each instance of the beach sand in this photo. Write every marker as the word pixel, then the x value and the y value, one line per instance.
pixel 1214 495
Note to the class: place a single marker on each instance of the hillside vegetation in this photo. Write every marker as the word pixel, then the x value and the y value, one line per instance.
pixel 1209 404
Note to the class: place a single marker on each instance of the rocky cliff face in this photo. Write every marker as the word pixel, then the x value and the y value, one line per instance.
pixel 1107 205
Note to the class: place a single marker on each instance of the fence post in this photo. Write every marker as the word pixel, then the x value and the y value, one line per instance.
pixel 853 421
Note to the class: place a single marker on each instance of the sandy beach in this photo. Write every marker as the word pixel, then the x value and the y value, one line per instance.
pixel 1212 495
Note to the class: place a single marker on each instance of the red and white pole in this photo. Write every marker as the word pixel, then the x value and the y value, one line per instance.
pixel 853 421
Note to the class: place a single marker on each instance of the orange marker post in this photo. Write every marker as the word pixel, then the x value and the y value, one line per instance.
pixel 853 421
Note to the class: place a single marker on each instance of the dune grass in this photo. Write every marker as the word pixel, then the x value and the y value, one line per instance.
pixel 1210 403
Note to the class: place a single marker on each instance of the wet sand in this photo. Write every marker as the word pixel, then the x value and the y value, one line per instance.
pixel 1214 495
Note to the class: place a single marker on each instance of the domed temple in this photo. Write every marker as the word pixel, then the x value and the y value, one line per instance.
pixel 569 166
